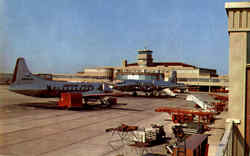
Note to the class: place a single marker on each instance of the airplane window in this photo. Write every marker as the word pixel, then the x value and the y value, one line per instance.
pixel 87 88
pixel 90 87
pixel 84 88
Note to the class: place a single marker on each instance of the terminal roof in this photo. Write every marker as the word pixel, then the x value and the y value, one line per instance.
pixel 165 64
pixel 235 5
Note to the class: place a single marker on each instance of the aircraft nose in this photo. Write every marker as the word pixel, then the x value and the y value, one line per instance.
pixel 119 86
pixel 12 88
pixel 107 88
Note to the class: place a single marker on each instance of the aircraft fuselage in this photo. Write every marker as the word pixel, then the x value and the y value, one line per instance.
pixel 54 88
pixel 143 85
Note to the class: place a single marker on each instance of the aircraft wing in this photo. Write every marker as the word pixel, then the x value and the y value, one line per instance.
pixel 127 83
pixel 170 85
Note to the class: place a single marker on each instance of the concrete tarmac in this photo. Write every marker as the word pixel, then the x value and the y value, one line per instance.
pixel 36 126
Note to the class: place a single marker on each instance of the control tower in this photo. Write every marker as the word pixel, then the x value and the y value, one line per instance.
pixel 144 57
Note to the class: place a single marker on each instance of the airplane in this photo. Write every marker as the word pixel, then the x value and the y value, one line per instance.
pixel 149 87
pixel 24 82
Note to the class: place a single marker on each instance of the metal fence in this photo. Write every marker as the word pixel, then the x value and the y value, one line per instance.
pixel 225 148
pixel 232 143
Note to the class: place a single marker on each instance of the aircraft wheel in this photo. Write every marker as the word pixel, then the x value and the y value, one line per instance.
pixel 155 93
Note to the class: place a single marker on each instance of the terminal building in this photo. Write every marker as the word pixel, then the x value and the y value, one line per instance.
pixel 145 68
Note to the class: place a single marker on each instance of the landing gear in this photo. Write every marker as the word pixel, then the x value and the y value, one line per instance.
pixel 108 101
pixel 134 94
pixel 155 93
pixel 151 94
pixel 86 101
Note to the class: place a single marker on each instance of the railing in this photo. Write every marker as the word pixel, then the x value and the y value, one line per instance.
pixel 213 80
pixel 232 143
pixel 202 104
pixel 225 148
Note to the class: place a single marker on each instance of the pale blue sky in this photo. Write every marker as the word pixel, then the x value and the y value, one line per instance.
pixel 63 36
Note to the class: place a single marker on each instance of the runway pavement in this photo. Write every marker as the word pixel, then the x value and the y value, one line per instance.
pixel 36 126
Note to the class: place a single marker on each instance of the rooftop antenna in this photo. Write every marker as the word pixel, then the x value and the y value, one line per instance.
pixel 146 45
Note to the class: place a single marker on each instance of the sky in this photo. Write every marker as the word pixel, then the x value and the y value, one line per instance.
pixel 64 36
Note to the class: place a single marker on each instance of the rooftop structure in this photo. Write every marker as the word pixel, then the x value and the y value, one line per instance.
pixel 144 57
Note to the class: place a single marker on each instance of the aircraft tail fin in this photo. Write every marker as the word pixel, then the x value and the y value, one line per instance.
pixel 173 78
pixel 21 71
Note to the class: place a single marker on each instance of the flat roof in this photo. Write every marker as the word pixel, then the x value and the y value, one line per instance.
pixel 235 5
pixel 165 64
pixel 144 50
